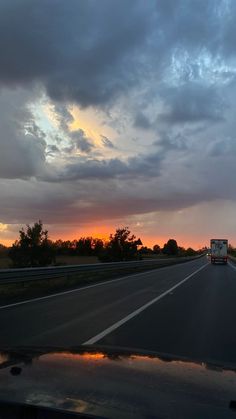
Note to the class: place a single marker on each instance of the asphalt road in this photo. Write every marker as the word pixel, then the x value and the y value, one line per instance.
pixel 187 309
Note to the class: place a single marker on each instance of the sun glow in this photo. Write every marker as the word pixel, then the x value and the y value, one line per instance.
pixel 90 122
pixel 3 227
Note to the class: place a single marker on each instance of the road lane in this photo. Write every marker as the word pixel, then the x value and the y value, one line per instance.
pixel 141 309
pixel 197 320
pixel 73 318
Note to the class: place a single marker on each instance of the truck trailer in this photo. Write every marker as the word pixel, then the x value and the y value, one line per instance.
pixel 219 251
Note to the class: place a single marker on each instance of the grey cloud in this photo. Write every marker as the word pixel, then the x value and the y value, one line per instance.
pixel 105 196
pixel 79 50
pixel 172 142
pixel 222 147
pixel 32 128
pixel 62 204
pixel 22 143
pixel 79 141
pixel 56 138
pixel 89 52
pixel 141 166
pixel 194 25
pixel 111 47
pixel 141 121
pixel 192 103
pixel 52 149
pixel 106 142
pixel 63 116
pixel 34 200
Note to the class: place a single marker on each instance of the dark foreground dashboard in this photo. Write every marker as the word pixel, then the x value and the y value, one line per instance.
pixel 88 382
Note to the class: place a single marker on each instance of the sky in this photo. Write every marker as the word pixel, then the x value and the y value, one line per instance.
pixel 118 113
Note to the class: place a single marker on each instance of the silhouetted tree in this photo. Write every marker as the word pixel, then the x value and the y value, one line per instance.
pixel 97 246
pixel 156 249
pixel 170 248
pixel 84 246
pixel 190 252
pixel 63 247
pixel 3 249
pixel 33 247
pixel 181 251
pixel 122 246
pixel 144 250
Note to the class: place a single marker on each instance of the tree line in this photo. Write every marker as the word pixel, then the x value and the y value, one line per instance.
pixel 34 248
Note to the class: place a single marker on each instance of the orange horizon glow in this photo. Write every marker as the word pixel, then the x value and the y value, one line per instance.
pixel 104 234
pixel 147 241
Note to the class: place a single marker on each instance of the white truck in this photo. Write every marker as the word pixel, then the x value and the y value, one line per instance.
pixel 219 250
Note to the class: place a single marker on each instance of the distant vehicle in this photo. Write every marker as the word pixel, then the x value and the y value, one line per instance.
pixel 208 252
pixel 219 250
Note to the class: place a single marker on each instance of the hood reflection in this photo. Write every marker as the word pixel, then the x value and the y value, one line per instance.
pixel 83 354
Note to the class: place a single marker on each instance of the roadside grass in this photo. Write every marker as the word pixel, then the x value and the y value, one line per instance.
pixel 155 256
pixel 76 260
pixel 5 262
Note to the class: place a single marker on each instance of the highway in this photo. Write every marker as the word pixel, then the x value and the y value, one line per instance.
pixel 187 309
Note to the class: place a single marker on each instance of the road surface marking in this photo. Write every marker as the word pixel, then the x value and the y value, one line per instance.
pixel 111 281
pixel 130 316
pixel 232 266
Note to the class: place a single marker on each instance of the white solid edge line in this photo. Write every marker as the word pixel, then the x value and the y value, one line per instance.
pixel 110 329
pixel 111 281
pixel 46 297
pixel 232 266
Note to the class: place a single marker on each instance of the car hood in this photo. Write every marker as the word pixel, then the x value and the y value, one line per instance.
pixel 117 383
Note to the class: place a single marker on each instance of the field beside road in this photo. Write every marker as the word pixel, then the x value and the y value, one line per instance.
pixel 5 262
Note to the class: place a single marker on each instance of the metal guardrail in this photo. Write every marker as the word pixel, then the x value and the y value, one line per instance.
pixel 8 276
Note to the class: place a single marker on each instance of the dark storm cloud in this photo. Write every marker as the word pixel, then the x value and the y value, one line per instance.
pixel 192 103
pixel 143 166
pixel 79 50
pixel 192 24
pixel 91 51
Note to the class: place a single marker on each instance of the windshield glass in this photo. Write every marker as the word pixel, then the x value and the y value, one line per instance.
pixel 117 176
